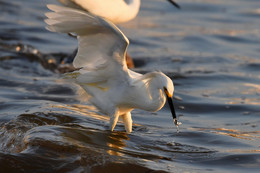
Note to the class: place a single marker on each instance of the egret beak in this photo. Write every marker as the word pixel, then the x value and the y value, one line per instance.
pixel 169 99
pixel 174 3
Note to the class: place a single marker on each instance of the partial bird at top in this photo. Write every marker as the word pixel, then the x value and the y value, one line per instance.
pixel 117 11
pixel 102 71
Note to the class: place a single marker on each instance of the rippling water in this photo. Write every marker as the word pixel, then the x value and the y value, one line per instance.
pixel 211 51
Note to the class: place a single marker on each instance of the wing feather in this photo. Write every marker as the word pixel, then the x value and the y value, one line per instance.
pixel 99 40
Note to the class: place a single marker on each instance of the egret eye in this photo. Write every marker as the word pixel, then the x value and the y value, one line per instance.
pixel 167 92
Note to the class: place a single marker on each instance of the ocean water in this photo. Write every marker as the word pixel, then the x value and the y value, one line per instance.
pixel 211 51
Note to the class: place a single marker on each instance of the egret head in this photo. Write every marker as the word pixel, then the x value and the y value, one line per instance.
pixel 168 89
pixel 164 83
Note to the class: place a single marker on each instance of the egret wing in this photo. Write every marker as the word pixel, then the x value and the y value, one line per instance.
pixel 100 42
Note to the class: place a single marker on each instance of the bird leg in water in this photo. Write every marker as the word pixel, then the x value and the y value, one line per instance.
pixel 127 119
pixel 113 120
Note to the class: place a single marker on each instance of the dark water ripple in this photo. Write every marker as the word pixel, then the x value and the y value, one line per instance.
pixel 210 49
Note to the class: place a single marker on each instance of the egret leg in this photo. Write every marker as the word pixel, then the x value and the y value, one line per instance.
pixel 127 119
pixel 113 120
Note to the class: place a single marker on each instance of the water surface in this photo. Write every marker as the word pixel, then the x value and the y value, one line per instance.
pixel 210 49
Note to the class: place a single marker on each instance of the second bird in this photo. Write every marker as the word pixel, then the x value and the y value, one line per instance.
pixel 117 11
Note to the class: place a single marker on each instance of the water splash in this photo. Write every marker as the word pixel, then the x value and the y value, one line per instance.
pixel 177 124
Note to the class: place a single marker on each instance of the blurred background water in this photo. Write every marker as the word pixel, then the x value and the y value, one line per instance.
pixel 210 49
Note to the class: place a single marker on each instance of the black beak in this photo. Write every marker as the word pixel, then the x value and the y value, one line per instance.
pixel 169 99
pixel 174 3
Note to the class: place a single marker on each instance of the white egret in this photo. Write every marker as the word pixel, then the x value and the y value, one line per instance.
pixel 117 11
pixel 102 71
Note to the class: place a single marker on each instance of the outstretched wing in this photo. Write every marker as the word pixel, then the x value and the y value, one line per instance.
pixel 100 42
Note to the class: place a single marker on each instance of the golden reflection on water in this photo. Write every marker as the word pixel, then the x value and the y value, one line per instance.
pixel 242 151
pixel 254 88
pixel 84 110
pixel 247 135
pixel 115 141
pixel 249 101
pixel 88 110
pixel 246 89
pixel 117 144
pixel 238 134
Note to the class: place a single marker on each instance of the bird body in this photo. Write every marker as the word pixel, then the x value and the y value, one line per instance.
pixel 117 11
pixel 102 71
